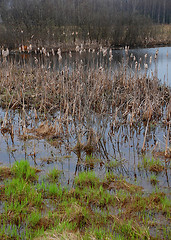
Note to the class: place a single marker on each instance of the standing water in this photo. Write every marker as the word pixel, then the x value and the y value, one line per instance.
pixel 105 140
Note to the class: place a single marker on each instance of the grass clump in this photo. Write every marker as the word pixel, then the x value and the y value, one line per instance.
pixel 90 160
pixel 87 179
pixel 106 208
pixel 23 170
pixel 153 179
pixel 53 175
pixel 33 218
pixel 114 163
pixel 20 190
pixel 151 164
pixel 54 190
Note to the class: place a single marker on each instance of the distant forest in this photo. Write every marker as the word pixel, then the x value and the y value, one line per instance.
pixel 118 22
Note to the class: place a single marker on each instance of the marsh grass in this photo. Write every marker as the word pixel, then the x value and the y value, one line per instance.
pixel 86 179
pixel 153 179
pixel 74 91
pixel 113 164
pixel 95 208
pixel 23 170
pixel 76 95
pixel 53 175
pixel 152 164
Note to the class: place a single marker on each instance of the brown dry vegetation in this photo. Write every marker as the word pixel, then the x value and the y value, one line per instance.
pixel 5 172
pixel 77 92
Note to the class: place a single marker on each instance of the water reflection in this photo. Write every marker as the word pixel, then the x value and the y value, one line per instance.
pixel 144 59
pixel 99 142
pixel 116 148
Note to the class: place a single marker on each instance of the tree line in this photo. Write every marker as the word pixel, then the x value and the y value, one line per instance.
pixel 119 22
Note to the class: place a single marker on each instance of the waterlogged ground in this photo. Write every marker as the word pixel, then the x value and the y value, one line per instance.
pixel 98 135
pixel 46 210
pixel 118 148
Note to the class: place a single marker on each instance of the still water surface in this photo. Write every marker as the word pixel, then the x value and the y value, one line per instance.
pixel 120 150
pixel 161 65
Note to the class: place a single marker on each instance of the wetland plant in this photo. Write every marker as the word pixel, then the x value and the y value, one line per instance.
pixel 152 164
pixel 23 169
pixel 153 179
pixel 118 209
pixel 86 179
pixel 53 175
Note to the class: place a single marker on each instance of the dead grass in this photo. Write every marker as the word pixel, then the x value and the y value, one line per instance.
pixel 5 172
pixel 65 235
pixel 162 154
pixel 76 91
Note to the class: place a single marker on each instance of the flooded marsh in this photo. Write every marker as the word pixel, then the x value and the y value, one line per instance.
pixel 93 111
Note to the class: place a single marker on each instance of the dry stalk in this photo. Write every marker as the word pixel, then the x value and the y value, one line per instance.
pixel 167 139
pixel 143 147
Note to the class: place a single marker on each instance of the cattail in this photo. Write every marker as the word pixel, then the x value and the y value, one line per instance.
pixel 77 48
pixel 22 48
pixel 53 52
pixel 139 67
pixel 104 52
pixel 5 53
pixel 110 58
pixel 44 51
pixel 145 65
pixel 136 65
pixel 167 54
pixel 36 60
pixel 60 57
pixel 59 52
pixel 35 114
pixel 126 49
